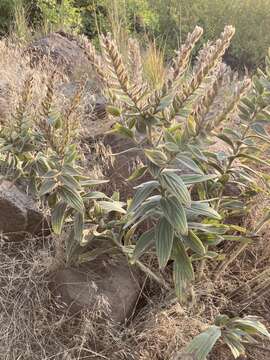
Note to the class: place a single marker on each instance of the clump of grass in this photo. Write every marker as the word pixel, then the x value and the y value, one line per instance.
pixel 154 65
pixel 32 322
pixel 20 30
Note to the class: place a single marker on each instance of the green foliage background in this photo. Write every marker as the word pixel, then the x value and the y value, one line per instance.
pixel 167 20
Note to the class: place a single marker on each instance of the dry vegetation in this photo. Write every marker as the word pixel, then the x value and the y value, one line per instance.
pixel 36 325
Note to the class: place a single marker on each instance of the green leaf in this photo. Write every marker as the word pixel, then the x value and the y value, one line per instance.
pixel 78 227
pixel 122 131
pixel 58 217
pixel 90 182
pixel 190 179
pixel 165 102
pixel 70 156
pixel 47 186
pixel 112 206
pixel 189 163
pixel 156 156
pixel 144 242
pixel 138 173
pixel 242 239
pixel 219 229
pixel 226 139
pixel 51 174
pixel 197 152
pixel 175 214
pixel 142 193
pixel 171 146
pixel 164 241
pixel 191 125
pixel 194 243
pixel 234 344
pixel 251 325
pixel 70 181
pixel 203 343
pixel 42 164
pixel 259 129
pixel 183 272
pixel 258 85
pixel 168 137
pixel 95 195
pixel 72 248
pixel 232 132
pixel 253 158
pixel 221 320
pixel 70 170
pixel 248 103
pixel 72 198
pixel 210 239
pixel 149 207
pixel 202 209
pixel 175 185
pixel 114 111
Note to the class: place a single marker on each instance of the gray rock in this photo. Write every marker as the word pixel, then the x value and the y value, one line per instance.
pixel 62 50
pixel 82 288
pixel 18 213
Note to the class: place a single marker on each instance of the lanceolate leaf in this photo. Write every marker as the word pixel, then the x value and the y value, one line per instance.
pixel 112 206
pixel 226 139
pixel 203 343
pixel 156 156
pixel 209 228
pixel 72 198
pixel 182 268
pixel 251 325
pixel 89 182
pixel 190 179
pixel 164 241
pixel 47 186
pixel 70 182
pixel 194 243
pixel 138 173
pixel 58 216
pixel 234 344
pixel 175 214
pixel 202 209
pixel 145 240
pixel 254 158
pixel 95 195
pixel 142 193
pixel 122 131
pixel 150 206
pixel 175 185
pixel 189 163
pixel 78 227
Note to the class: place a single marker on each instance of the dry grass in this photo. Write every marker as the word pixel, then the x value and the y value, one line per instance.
pixel 154 65
pixel 33 325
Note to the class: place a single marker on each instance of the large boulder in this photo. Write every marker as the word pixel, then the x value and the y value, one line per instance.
pixel 103 280
pixel 19 215
pixel 63 51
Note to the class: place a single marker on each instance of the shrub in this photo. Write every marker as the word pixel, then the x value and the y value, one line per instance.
pixel 172 128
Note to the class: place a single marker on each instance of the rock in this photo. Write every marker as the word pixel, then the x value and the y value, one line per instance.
pixel 63 51
pixel 82 288
pixel 18 213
